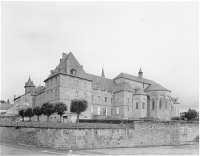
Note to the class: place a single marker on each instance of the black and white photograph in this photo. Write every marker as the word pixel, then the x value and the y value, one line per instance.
pixel 99 78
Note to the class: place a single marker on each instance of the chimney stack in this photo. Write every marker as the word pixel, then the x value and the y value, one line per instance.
pixel 64 55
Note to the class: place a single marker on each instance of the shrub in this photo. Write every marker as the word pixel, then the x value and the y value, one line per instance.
pixel 176 118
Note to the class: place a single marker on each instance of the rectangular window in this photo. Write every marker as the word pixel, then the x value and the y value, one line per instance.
pixel 99 98
pixel 111 111
pixel 117 110
pixel 128 100
pixel 106 111
pixel 160 104
pixel 76 94
pixel 84 95
pixel 56 80
pixel 98 110
pixel 111 100
pixel 128 109
pixel 105 99
pixel 92 97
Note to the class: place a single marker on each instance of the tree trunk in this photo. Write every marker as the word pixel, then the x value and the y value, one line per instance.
pixel 38 118
pixel 77 120
pixel 60 119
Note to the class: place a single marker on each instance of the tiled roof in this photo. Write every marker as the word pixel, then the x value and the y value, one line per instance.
pixel 5 106
pixel 156 87
pixel 102 82
pixel 134 78
pixel 140 91
pixel 124 86
pixel 74 64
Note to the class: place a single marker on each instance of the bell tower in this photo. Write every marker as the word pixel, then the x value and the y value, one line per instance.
pixel 29 86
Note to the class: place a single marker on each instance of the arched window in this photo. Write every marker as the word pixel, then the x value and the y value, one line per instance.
pixel 136 105
pixel 160 104
pixel 153 105
pixel 143 105
pixel 165 104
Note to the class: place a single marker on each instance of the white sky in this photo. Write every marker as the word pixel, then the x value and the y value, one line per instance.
pixel 161 37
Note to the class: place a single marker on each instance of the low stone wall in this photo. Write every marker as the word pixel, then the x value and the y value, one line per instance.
pixel 145 133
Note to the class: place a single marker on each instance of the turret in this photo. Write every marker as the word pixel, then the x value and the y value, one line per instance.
pixel 140 73
pixel 29 86
pixel 102 74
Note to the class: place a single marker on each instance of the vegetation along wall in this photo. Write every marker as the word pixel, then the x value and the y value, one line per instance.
pixel 144 133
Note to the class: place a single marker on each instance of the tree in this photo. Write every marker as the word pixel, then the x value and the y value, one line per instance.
pixel 29 113
pixel 60 109
pixel 22 113
pixel 2 101
pixel 37 111
pixel 191 114
pixel 78 106
pixel 47 109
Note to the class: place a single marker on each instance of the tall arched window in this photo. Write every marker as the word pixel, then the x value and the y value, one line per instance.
pixel 136 105
pixel 153 105
pixel 143 105
pixel 160 104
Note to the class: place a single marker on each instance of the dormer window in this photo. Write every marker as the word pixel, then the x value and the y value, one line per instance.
pixel 73 72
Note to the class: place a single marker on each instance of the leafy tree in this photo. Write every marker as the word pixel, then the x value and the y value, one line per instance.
pixel 47 109
pixel 2 101
pixel 29 113
pixel 60 109
pixel 191 114
pixel 37 111
pixel 22 113
pixel 78 106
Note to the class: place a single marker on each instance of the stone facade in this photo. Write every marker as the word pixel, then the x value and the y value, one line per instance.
pixel 126 96
pixel 144 134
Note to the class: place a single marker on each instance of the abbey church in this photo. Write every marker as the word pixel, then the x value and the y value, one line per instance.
pixel 124 97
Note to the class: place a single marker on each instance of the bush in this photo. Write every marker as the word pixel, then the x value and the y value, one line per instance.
pixel 176 118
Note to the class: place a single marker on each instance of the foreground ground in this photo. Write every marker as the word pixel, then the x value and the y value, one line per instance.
pixel 20 149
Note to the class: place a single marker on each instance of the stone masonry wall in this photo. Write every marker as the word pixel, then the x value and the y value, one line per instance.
pixel 144 134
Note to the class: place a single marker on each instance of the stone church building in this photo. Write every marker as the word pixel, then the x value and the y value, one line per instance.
pixel 124 97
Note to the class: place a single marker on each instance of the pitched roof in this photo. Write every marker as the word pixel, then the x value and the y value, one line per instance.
pixel 5 106
pixel 124 86
pixel 140 91
pixel 102 82
pixel 74 64
pixel 134 78
pixel 156 87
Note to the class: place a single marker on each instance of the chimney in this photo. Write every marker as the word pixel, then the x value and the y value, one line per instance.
pixel 60 60
pixel 82 66
pixel 64 55
pixel 14 96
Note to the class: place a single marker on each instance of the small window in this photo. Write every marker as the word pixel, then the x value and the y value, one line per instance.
pixel 166 105
pixel 117 110
pixel 111 100
pixel 128 109
pixel 106 111
pixel 143 105
pixel 92 97
pixel 99 98
pixel 105 99
pixel 111 111
pixel 128 100
pixel 136 105
pixel 76 94
pixel 153 105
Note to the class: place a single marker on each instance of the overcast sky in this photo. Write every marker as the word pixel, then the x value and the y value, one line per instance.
pixel 161 37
